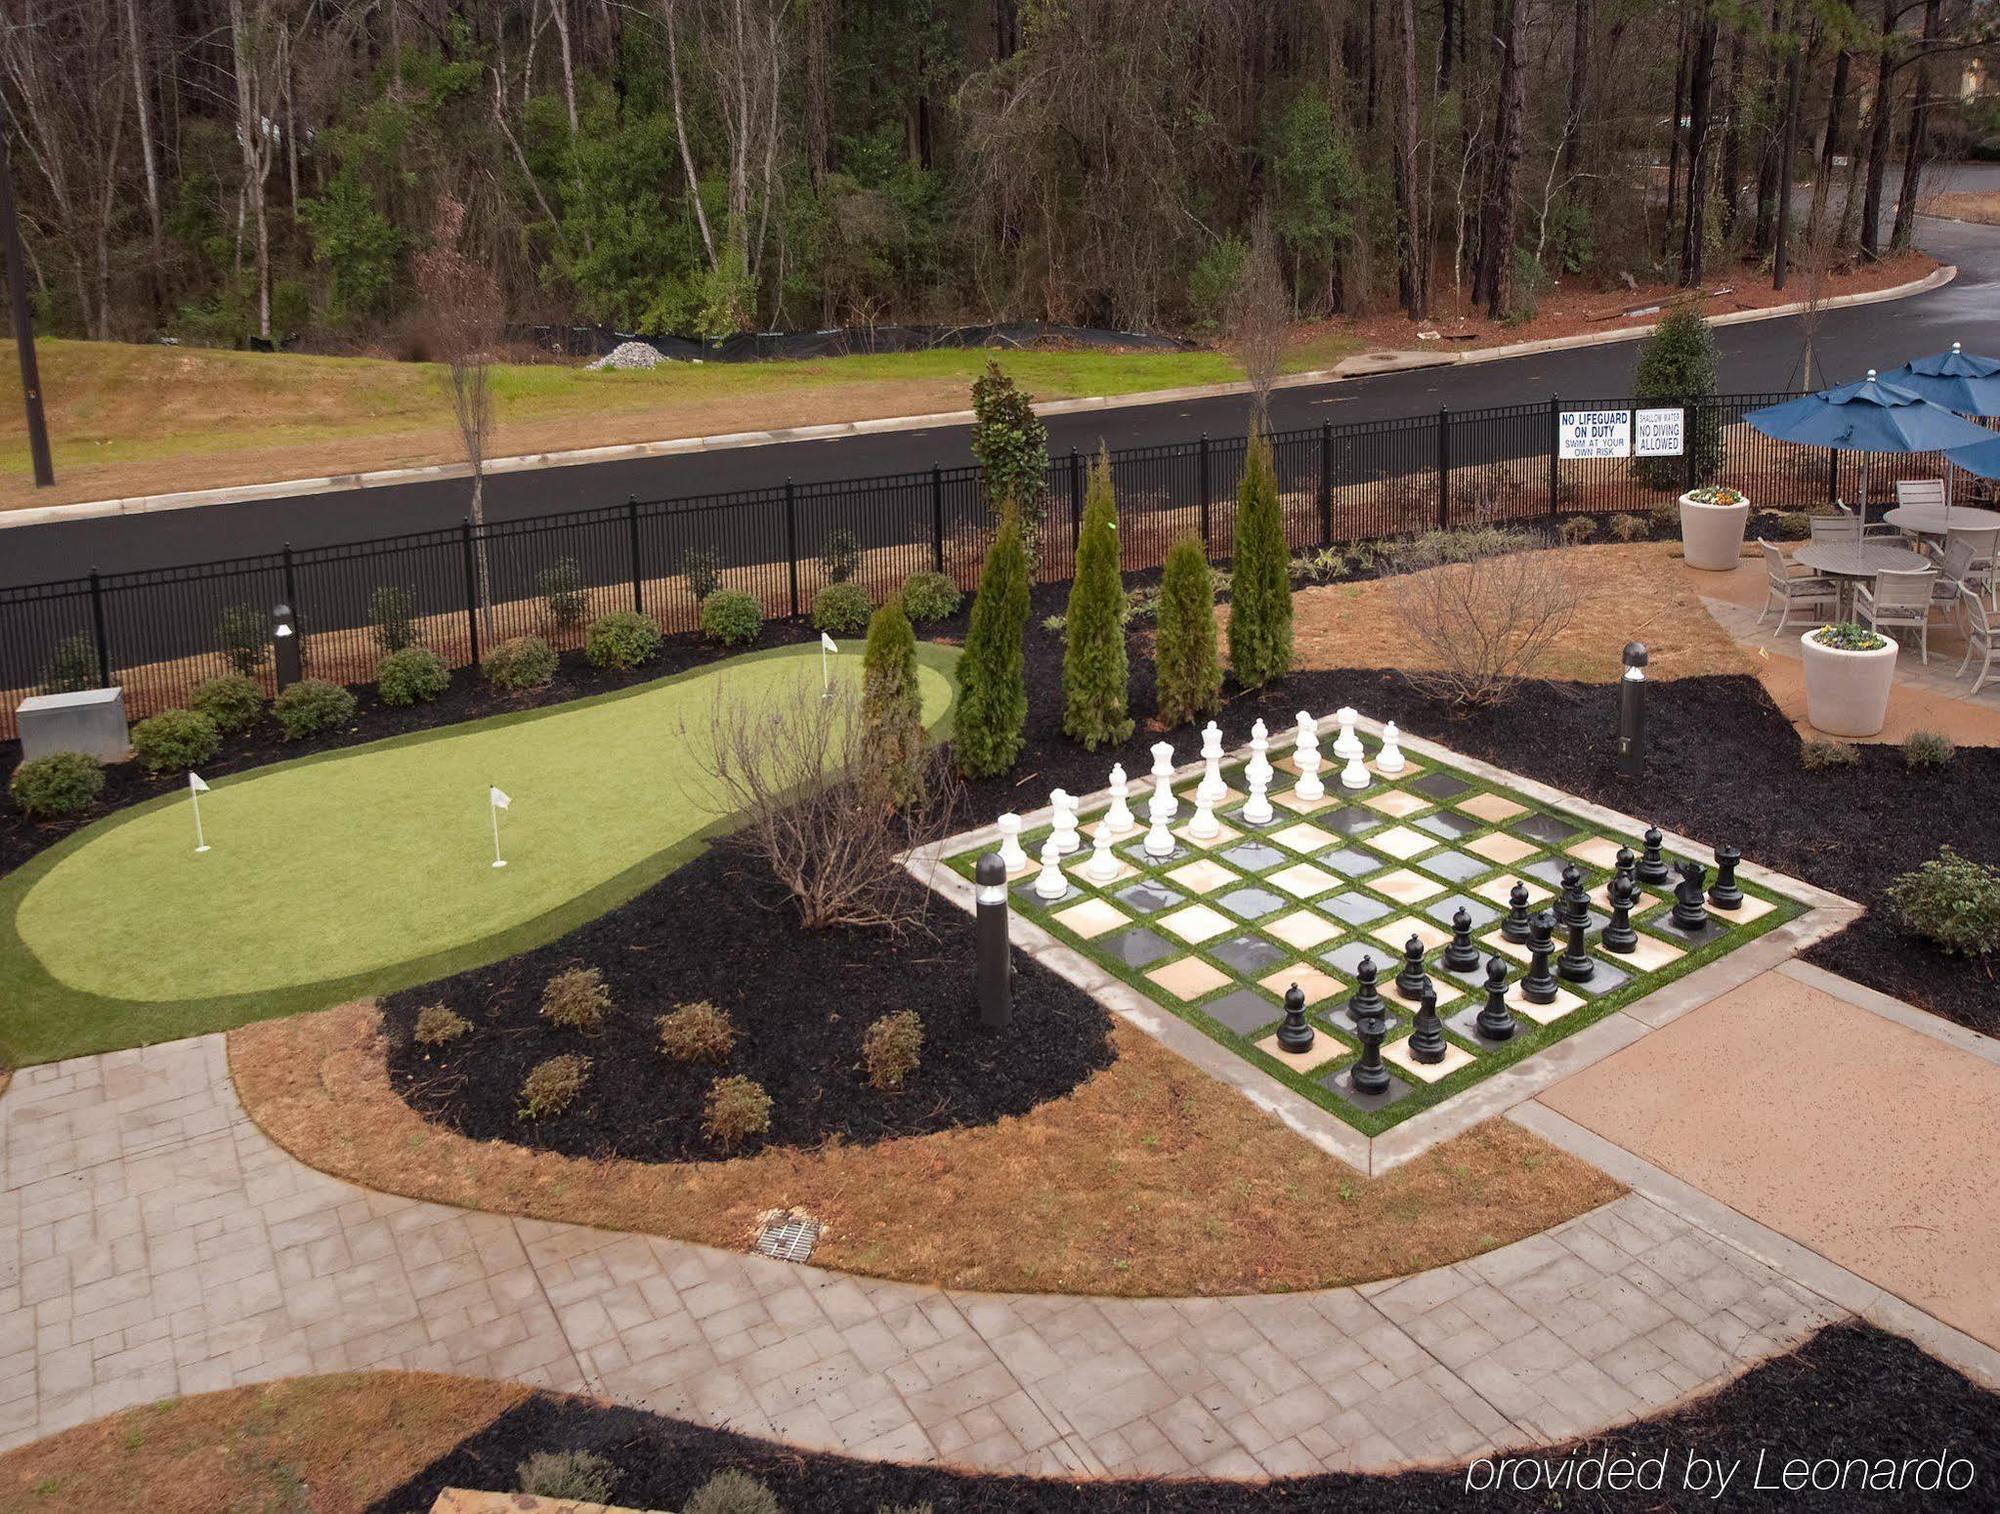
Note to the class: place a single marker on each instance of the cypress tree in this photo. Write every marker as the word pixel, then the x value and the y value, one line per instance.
pixel 1260 585
pixel 892 709
pixel 991 723
pixel 1094 668
pixel 1190 682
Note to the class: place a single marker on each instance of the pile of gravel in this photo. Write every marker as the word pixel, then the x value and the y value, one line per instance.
pixel 631 355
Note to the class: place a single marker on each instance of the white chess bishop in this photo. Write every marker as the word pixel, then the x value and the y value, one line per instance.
pixel 1212 786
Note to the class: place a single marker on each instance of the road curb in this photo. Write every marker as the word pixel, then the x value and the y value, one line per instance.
pixel 1347 370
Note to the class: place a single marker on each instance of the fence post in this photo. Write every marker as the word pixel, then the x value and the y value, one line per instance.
pixel 97 631
pixel 1832 476
pixel 292 586
pixel 937 517
pixel 471 589
pixel 1555 455
pixel 792 538
pixel 1075 502
pixel 1326 483
pixel 1690 440
pixel 1444 468
pixel 632 540
pixel 1203 474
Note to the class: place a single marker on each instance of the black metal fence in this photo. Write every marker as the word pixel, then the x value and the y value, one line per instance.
pixel 160 632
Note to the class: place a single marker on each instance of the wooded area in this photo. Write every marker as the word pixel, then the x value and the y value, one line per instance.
pixel 226 171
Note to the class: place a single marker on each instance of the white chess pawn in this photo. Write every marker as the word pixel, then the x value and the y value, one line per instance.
pixel 1305 757
pixel 1204 826
pixel 1012 857
pixel 1162 806
pixel 1390 758
pixel 1355 774
pixel 1103 864
pixel 1257 772
pixel 1050 883
pixel 1119 816
pixel 1212 787
pixel 1159 840
pixel 1346 745
pixel 1063 823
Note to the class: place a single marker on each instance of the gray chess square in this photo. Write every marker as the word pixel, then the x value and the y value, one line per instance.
pixel 1253 856
pixel 1603 979
pixel 1279 817
pixel 1448 824
pixel 1465 1025
pixel 1147 897
pixel 1546 829
pixel 1135 852
pixel 1663 922
pixel 1345 959
pixel 1438 786
pixel 1025 893
pixel 1248 956
pixel 1482 913
pixel 1252 903
pixel 1456 866
pixel 1353 907
pixel 1548 870
pixel 1140 947
pixel 1338 1082
pixel 1354 820
pixel 1244 1011
pixel 1351 861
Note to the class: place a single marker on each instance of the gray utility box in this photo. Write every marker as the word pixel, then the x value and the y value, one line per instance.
pixel 91 721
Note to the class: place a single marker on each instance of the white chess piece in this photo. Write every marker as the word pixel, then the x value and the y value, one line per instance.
pixel 1389 759
pixel 1305 757
pixel 1063 822
pixel 1355 774
pixel 1012 856
pixel 1050 883
pixel 1162 805
pixel 1119 816
pixel 1204 826
pixel 1212 787
pixel 1103 864
pixel 1159 840
pixel 1347 745
pixel 1257 772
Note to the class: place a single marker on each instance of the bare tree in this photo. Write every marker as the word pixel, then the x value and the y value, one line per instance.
pixel 1483 626
pixel 1259 323
pixel 258 41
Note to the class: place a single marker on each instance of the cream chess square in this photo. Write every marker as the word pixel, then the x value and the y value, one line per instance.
pixel 1202 876
pixel 1317 985
pixel 1197 923
pixel 1401 842
pixel 1303 837
pixel 1303 930
pixel 1397 1052
pixel 1323 1050
pixel 1492 808
pixel 1091 919
pixel 1396 804
pixel 1189 978
pixel 1404 886
pixel 1303 879
pixel 1502 848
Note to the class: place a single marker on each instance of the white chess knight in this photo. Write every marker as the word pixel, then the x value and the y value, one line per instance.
pixel 1212 788
pixel 1012 856
pixel 1257 777
pixel 1103 864
pixel 1119 816
pixel 1346 745
pixel 1305 757
pixel 1050 882
pixel 1063 823
pixel 1390 758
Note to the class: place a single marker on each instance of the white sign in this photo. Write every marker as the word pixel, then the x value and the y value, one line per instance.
pixel 1594 433
pixel 1659 433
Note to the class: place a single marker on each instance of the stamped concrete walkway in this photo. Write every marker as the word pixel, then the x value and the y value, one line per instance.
pixel 154 1242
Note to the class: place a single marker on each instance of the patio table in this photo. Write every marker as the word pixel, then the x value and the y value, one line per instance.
pixel 1935 520
pixel 1847 564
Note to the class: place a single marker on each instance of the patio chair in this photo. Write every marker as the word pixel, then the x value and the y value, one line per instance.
pixel 1920 491
pixel 1842 530
pixel 1978 641
pixel 1982 546
pixel 1899 601
pixel 1793 585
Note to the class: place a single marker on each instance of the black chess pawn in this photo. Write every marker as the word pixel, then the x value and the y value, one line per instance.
pixel 1461 956
pixel 1576 964
pixel 1652 866
pixel 1295 1035
pixel 1724 892
pixel 1690 913
pixel 1496 1020
pixel 1369 1074
pixel 1413 980
pixel 1575 903
pixel 1626 863
pixel 1427 1031
pixel 1618 936
pixel 1366 1001
pixel 1539 986
pixel 1514 926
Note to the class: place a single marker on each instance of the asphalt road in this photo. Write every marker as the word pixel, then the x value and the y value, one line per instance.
pixel 1756 357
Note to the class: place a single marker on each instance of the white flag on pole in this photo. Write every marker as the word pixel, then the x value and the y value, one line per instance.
pixel 195 783
pixel 196 788
pixel 498 800
pixel 828 643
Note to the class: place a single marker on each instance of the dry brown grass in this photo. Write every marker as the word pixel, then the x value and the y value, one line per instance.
pixel 1149 1180
pixel 1982 205
pixel 333 1445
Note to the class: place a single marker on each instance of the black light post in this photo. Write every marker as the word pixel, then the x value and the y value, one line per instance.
pixel 1632 713
pixel 24 324
pixel 995 973
pixel 285 647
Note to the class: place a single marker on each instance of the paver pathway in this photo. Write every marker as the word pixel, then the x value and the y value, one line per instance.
pixel 154 1242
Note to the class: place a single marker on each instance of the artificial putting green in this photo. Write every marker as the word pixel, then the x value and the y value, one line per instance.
pixel 369 869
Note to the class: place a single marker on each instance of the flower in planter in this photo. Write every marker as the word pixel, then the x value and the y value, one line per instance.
pixel 1849 637
pixel 1717 494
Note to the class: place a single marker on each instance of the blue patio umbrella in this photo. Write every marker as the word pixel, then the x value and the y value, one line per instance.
pixel 1869 416
pixel 1982 458
pixel 1957 380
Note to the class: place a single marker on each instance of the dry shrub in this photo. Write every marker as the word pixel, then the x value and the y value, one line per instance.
pixel 576 999
pixel 1483 625
pixel 1822 755
pixel 550 1087
pixel 697 1032
pixel 736 1109
pixel 439 1025
pixel 891 1048
pixel 1577 530
pixel 1627 528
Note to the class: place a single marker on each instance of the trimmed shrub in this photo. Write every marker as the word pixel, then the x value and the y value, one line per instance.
pixel 1094 676
pixel 1924 750
pixel 231 700
pixel 840 554
pixel 71 668
pixel 439 1025
pixel 310 706
pixel 1665 519
pixel 415 675
pixel 520 662
pixel 1627 528
pixel 930 597
pixel 56 786
pixel 841 609
pixel 580 1476
pixel 1676 366
pixel 244 634
pixel 1260 599
pixel 1818 755
pixel 552 1086
pixel 697 1032
pixel 174 741
pixel 732 617
pixel 1576 530
pixel 392 615
pixel 991 725
pixel 892 709
pixel 1012 446
pixel 891 1048
pixel 622 640
pixel 735 1110
pixel 731 1492
pixel 576 999
pixel 703 571
pixel 1950 901
pixel 561 586
pixel 1794 525
pixel 1190 681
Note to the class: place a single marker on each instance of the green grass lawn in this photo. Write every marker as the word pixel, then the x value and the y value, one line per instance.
pixel 369 869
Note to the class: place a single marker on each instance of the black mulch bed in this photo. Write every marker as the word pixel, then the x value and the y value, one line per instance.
pixel 1851 1392
pixel 721 929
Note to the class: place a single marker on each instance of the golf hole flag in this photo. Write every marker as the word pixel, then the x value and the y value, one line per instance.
pixel 826 645
pixel 196 788
pixel 496 801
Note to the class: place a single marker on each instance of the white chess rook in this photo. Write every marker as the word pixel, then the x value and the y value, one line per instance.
pixel 1103 864
pixel 1119 816
pixel 1305 757
pixel 1063 831
pixel 1012 856
pixel 1050 882
pixel 1212 787
pixel 1390 758
pixel 1346 745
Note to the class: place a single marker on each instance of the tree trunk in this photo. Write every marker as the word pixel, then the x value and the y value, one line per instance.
pixel 1731 168
pixel 1413 261
pixel 1674 136
pixel 1767 153
pixel 1701 79
pixel 1913 151
pixel 1497 243
pixel 819 19
pixel 1579 83
pixel 1878 134
pixel 145 104
pixel 256 154
pixel 1829 145
pixel 1788 138
pixel 1445 44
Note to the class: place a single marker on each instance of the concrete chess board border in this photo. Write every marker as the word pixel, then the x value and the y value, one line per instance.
pixel 1823 914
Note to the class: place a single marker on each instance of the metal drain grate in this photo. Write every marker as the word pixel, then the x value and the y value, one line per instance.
pixel 789 1238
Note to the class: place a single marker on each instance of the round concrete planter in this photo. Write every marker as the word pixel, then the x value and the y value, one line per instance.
pixel 1847 693
pixel 1712 535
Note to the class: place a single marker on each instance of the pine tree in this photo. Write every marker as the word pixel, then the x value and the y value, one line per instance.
pixel 1676 366
pixel 1190 682
pixel 892 709
pixel 991 723
pixel 1260 585
pixel 1094 669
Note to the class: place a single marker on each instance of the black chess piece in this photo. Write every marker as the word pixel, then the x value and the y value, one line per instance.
pixel 1496 1020
pixel 1461 956
pixel 1427 1031
pixel 1618 936
pixel 1514 926
pixel 1652 866
pixel 1539 986
pixel 1690 913
pixel 1575 964
pixel 1366 1000
pixel 1574 902
pixel 1413 980
pixel 1724 892
pixel 1626 863
pixel 1369 1074
pixel 1295 1035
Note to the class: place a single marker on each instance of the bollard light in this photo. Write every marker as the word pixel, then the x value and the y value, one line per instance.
pixel 1632 713
pixel 285 647
pixel 995 969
